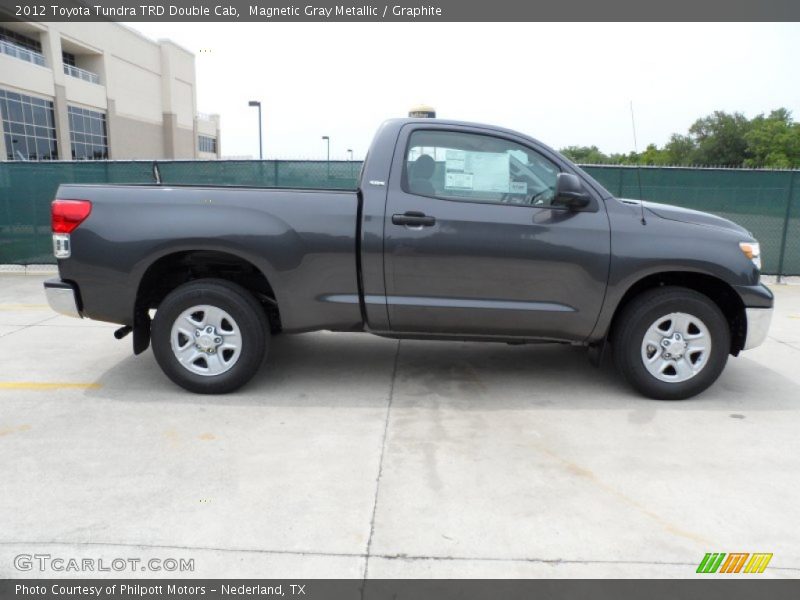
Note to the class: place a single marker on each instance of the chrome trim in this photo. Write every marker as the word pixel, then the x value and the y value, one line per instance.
pixel 62 300
pixel 61 247
pixel 758 320
pixel 432 302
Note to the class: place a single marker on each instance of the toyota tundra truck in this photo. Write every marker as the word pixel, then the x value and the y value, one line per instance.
pixel 456 231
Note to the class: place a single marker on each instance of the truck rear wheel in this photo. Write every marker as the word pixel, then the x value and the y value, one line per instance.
pixel 671 343
pixel 209 336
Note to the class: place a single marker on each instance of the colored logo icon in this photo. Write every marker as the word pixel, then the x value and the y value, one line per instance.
pixel 735 562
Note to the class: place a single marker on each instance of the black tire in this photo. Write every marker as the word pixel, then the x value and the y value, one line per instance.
pixel 638 316
pixel 240 305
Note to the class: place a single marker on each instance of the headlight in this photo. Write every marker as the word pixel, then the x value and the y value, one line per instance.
pixel 752 250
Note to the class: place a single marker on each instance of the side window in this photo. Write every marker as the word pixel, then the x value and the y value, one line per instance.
pixel 477 168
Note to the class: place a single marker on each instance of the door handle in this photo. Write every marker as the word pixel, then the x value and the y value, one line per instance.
pixel 413 218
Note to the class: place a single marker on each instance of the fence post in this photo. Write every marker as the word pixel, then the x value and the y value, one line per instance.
pixel 786 218
pixel 275 163
pixel 620 170
pixel 36 235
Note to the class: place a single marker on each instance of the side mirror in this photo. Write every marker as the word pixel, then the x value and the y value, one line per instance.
pixel 570 192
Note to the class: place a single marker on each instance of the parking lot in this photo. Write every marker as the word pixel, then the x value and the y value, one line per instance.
pixel 351 455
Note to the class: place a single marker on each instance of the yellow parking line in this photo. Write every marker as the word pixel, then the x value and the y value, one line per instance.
pixel 55 385
pixel 24 307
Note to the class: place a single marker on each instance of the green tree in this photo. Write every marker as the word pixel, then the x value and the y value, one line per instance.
pixel 774 141
pixel 680 150
pixel 631 158
pixel 725 139
pixel 652 155
pixel 585 155
pixel 720 139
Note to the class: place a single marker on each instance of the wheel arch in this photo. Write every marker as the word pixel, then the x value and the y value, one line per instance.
pixel 169 271
pixel 716 289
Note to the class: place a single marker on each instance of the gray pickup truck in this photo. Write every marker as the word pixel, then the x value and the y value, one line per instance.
pixel 457 231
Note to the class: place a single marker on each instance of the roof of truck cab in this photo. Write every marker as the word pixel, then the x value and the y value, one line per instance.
pixel 437 121
pixel 397 124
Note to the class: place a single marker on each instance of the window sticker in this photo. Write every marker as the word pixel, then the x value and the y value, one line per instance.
pixel 491 171
pixel 454 160
pixel 477 171
pixel 458 181
pixel 518 187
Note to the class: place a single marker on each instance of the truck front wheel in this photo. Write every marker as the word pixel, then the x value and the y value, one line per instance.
pixel 209 336
pixel 671 343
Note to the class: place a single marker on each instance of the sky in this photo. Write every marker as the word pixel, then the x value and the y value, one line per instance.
pixel 564 84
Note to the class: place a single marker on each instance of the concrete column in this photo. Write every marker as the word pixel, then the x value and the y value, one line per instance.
pixel 62 123
pixel 111 130
pixel 2 143
pixel 51 48
pixel 111 106
pixel 169 122
pixel 195 148
pixel 170 126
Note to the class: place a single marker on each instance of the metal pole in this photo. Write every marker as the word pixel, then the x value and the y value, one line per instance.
pixel 327 139
pixel 260 136
pixel 786 219
pixel 350 151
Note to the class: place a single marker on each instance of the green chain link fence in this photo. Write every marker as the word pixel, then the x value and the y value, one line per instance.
pixel 765 202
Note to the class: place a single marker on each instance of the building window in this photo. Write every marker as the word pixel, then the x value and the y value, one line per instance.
pixel 21 47
pixel 207 143
pixel 68 58
pixel 12 37
pixel 28 127
pixel 87 132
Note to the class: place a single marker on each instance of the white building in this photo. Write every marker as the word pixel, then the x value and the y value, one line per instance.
pixel 98 90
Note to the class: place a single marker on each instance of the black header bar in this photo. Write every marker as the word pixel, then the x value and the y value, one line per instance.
pixel 402 10
pixel 710 588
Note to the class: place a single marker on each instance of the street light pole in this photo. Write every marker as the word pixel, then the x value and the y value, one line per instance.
pixel 260 139
pixel 328 140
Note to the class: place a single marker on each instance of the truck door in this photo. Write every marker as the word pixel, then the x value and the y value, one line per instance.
pixel 472 245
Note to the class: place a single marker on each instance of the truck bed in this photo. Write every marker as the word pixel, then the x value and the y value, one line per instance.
pixel 302 241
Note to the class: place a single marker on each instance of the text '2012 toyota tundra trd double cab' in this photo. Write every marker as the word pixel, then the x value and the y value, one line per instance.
pixel 457 231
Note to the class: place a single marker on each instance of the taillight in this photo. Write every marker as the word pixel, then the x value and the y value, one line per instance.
pixel 68 214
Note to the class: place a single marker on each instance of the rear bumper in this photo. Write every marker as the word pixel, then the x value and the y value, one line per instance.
pixel 758 320
pixel 62 297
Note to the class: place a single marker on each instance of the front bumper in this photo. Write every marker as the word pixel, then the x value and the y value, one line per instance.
pixel 758 320
pixel 62 297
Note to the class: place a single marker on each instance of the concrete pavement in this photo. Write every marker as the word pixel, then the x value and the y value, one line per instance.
pixel 351 455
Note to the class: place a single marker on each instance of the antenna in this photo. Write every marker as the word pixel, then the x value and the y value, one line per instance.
pixel 638 166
